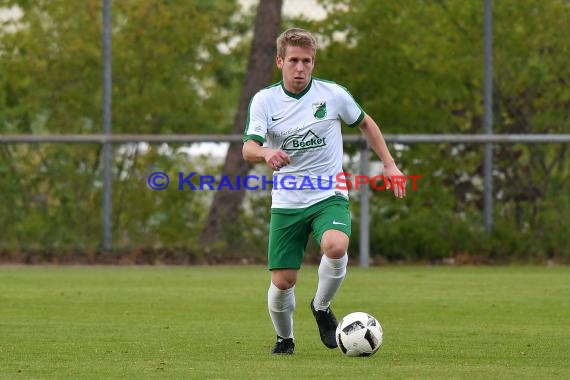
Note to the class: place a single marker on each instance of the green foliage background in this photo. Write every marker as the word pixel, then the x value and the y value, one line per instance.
pixel 178 67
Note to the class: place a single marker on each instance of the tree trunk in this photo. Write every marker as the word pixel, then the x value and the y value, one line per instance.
pixel 225 206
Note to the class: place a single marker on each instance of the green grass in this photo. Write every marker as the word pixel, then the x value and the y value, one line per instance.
pixel 212 323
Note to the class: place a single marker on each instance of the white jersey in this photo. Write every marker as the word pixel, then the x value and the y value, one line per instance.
pixel 306 126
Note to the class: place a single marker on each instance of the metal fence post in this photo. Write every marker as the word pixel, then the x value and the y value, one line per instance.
pixel 488 117
pixel 364 208
pixel 107 179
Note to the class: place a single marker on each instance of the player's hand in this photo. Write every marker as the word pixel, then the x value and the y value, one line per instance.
pixel 396 179
pixel 276 159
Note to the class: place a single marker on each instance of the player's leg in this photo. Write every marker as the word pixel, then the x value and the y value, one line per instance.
pixel 332 271
pixel 281 301
pixel 331 228
pixel 332 268
pixel 287 241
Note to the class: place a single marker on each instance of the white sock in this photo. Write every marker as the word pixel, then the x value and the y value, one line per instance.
pixel 331 275
pixel 281 304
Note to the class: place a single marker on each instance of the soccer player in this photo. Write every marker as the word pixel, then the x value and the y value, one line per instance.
pixel 294 126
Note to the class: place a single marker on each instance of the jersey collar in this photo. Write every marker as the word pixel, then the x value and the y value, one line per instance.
pixel 300 94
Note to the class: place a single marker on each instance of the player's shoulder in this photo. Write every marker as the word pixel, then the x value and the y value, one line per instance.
pixel 265 96
pixel 269 90
pixel 328 84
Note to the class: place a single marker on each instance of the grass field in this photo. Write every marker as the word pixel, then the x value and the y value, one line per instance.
pixel 212 323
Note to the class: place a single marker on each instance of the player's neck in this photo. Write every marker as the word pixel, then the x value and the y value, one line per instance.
pixel 296 91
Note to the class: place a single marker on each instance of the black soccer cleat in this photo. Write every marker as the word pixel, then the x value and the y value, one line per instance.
pixel 283 346
pixel 327 325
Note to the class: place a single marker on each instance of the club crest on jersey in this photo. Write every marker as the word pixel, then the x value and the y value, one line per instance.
pixel 301 142
pixel 320 110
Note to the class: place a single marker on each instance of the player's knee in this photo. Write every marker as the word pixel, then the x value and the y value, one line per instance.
pixel 334 244
pixel 283 280
pixel 335 249
pixel 284 284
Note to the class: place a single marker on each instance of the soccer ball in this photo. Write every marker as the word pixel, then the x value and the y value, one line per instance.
pixel 359 334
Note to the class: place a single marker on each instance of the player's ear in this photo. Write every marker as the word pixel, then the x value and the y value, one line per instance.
pixel 279 62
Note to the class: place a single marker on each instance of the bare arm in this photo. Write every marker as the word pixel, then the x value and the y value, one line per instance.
pixel 376 141
pixel 253 152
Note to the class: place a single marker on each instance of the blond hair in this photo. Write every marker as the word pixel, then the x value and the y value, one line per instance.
pixel 295 37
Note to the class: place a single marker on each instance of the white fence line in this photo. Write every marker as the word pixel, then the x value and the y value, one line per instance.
pixel 194 138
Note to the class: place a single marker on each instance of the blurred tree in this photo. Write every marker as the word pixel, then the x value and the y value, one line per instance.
pixel 170 66
pixel 417 67
pixel 225 207
pixel 171 74
pixel 179 67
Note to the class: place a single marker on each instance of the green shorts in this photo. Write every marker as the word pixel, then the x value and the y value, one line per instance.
pixel 289 229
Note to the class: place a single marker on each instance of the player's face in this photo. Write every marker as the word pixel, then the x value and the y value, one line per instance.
pixel 297 67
